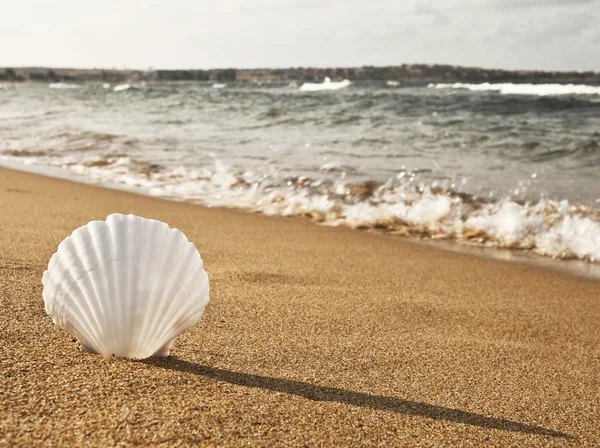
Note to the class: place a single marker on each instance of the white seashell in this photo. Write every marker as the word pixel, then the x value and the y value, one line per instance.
pixel 126 287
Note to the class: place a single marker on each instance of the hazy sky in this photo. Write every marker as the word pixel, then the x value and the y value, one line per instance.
pixel 529 34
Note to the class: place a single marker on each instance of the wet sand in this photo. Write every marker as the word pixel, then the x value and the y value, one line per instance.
pixel 314 336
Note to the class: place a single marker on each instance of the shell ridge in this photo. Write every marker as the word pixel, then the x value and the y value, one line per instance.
pixel 75 312
pixel 126 243
pixel 82 283
pixel 94 264
pixel 126 299
pixel 49 294
pixel 175 306
pixel 51 263
pixel 162 298
pixel 103 246
pixel 100 286
pixel 63 296
pixel 159 262
pixel 62 279
pixel 56 268
pixel 168 295
pixel 83 341
pixel 108 261
pixel 135 233
pixel 56 278
pixel 147 254
pixel 184 324
pixel 122 245
pixel 73 327
pixel 198 291
pixel 115 296
pixel 187 264
pixel 85 324
pixel 133 236
pixel 69 278
pixel 157 295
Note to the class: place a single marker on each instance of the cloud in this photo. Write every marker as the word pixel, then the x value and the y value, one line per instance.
pixel 545 34
pixel 541 3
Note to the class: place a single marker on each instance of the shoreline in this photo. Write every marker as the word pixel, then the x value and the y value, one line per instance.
pixel 286 83
pixel 574 267
pixel 314 335
pixel 418 72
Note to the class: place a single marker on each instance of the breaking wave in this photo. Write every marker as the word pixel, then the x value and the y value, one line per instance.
pixel 484 169
pixel 62 85
pixel 525 89
pixel 399 206
pixel 326 85
pixel 121 87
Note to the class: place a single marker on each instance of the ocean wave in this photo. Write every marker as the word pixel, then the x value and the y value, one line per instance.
pixel 458 147
pixel 326 85
pixel 400 206
pixel 22 153
pixel 525 89
pixel 122 87
pixel 127 86
pixel 62 85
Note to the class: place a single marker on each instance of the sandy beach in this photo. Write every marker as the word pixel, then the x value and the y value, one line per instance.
pixel 314 336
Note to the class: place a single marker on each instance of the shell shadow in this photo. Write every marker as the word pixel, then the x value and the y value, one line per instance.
pixel 371 401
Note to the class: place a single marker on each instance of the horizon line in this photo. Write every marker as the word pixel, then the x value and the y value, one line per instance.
pixel 318 67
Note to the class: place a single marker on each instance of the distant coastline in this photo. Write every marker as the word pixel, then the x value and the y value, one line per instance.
pixel 406 74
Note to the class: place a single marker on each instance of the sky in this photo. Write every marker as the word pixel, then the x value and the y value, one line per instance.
pixel 509 34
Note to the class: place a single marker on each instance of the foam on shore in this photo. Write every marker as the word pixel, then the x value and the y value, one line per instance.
pixel 401 205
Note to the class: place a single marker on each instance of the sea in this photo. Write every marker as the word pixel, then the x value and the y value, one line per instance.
pixel 504 166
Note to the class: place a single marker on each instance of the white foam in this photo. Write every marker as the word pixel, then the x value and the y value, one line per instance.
pixel 574 236
pixel 330 166
pixel 62 85
pixel 431 209
pixel 122 87
pixel 508 222
pixel 552 228
pixel 525 89
pixel 219 86
pixel 326 85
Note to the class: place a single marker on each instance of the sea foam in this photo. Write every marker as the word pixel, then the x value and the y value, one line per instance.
pixel 557 229
pixel 326 85
pixel 525 89
pixel 121 87
pixel 62 85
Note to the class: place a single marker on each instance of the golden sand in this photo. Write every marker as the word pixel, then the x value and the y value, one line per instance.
pixel 314 336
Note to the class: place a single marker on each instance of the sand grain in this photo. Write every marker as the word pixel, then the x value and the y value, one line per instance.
pixel 314 336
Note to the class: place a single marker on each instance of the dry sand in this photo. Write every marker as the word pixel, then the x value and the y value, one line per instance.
pixel 314 336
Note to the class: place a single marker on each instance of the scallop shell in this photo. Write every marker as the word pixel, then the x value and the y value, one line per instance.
pixel 126 287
